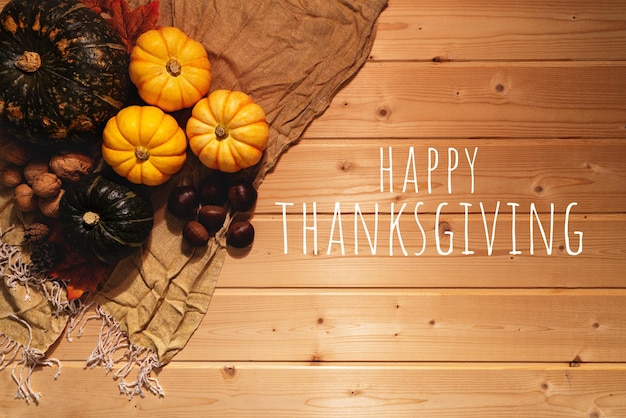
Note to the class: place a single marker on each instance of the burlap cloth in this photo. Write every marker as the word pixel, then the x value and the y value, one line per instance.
pixel 291 56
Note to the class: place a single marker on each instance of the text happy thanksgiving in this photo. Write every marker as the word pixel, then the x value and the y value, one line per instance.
pixel 367 226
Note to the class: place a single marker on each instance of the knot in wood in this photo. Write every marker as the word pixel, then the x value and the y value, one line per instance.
pixel 444 227
pixel 345 166
pixel 383 113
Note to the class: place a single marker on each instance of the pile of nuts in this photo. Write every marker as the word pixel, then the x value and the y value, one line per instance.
pixel 38 181
pixel 206 208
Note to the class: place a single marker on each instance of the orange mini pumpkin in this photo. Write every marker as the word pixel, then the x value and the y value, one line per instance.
pixel 227 131
pixel 144 144
pixel 169 69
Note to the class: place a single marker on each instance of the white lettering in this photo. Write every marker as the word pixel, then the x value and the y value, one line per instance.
pixel 336 221
pixel 450 234
pixel 514 250
pixel 493 230
pixel 384 169
pixel 433 163
pixel 394 225
pixel 284 211
pixel 547 243
pixel 419 225
pixel 451 167
pixel 410 167
pixel 358 214
pixel 306 228
pixel 577 233
pixel 471 162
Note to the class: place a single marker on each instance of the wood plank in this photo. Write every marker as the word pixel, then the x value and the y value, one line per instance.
pixel 498 30
pixel 501 30
pixel 601 262
pixel 386 325
pixel 525 73
pixel 477 99
pixel 363 390
pixel 590 172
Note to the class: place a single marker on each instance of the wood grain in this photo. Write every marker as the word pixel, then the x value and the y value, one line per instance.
pixel 478 99
pixel 601 263
pixel 235 389
pixel 538 88
pixel 501 30
pixel 387 325
pixel 591 172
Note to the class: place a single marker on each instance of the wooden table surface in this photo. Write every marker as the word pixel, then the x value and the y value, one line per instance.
pixel 488 136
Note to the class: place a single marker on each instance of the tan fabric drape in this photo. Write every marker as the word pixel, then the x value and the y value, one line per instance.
pixel 291 56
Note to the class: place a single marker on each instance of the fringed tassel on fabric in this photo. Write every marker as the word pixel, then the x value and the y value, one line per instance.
pixel 16 271
pixel 111 342
pixel 24 367
pixel 31 284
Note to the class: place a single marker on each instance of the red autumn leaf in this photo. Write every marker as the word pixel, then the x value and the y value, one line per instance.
pixel 98 6
pixel 129 24
pixel 80 274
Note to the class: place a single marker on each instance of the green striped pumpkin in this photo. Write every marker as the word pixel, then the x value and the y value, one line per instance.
pixel 104 220
pixel 63 71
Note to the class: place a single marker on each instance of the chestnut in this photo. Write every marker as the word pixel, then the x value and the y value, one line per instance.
pixel 212 217
pixel 242 195
pixel 214 189
pixel 195 234
pixel 183 201
pixel 240 234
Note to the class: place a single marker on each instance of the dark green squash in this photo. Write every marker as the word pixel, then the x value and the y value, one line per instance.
pixel 104 220
pixel 63 71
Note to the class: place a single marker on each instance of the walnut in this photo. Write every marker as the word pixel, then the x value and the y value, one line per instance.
pixel 11 175
pixel 14 152
pixel 25 199
pixel 71 165
pixel 36 232
pixel 46 185
pixel 35 168
pixel 50 207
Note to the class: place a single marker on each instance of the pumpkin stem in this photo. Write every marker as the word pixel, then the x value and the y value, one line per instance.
pixel 173 67
pixel 28 62
pixel 142 153
pixel 91 218
pixel 221 132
